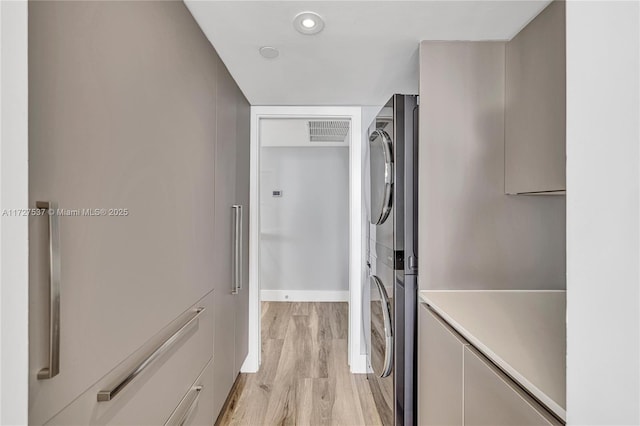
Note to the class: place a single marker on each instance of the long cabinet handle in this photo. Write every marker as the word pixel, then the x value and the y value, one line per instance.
pixel 240 252
pixel 53 368
pixel 237 249
pixel 193 403
pixel 109 394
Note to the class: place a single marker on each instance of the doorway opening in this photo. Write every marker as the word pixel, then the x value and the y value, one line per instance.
pixel 304 210
pixel 306 217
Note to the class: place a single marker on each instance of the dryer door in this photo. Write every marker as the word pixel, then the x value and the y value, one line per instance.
pixel 381 329
pixel 381 169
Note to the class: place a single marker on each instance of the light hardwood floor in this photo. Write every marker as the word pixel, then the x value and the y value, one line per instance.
pixel 304 378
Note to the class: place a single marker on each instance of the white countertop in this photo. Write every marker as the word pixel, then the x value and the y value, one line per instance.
pixel 523 332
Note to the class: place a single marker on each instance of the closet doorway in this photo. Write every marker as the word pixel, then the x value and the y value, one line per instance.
pixel 305 232
pixel 304 210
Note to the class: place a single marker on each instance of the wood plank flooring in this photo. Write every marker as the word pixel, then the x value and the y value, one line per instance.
pixel 304 378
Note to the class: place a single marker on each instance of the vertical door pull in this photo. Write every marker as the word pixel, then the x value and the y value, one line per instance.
pixel 237 249
pixel 53 368
pixel 240 250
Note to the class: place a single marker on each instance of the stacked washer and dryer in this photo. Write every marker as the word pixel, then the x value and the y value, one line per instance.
pixel 392 259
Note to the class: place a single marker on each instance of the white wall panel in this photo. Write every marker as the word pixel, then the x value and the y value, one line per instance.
pixel 603 213
pixel 14 268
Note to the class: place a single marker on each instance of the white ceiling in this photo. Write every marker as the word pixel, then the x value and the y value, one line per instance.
pixel 367 51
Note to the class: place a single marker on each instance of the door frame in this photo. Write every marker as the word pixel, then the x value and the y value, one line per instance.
pixel 357 353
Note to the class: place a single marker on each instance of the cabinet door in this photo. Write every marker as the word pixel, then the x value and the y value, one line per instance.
pixel 243 157
pixel 440 371
pixel 225 197
pixel 194 409
pixel 492 399
pixel 535 105
pixel 108 129
pixel 148 399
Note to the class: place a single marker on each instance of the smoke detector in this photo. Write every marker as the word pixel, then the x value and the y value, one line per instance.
pixel 269 52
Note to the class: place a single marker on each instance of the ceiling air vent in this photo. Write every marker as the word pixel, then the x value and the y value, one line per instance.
pixel 328 130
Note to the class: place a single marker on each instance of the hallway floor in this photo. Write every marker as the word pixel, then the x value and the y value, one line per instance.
pixel 304 378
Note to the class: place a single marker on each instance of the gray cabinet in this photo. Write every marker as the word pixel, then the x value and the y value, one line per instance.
pixel 458 386
pixel 243 158
pixel 158 389
pixel 492 399
pixel 225 171
pixel 146 124
pixel 440 370
pixel 231 189
pixel 194 410
pixel 535 117
pixel 131 132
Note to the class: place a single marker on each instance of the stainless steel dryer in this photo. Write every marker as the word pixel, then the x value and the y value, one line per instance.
pixel 393 257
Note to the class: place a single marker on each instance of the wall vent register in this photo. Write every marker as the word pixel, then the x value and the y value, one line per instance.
pixel 328 130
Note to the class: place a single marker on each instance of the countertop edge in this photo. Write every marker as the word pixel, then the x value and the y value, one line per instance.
pixel 553 406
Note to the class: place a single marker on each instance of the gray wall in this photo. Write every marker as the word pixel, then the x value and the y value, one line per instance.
pixel 472 236
pixel 304 235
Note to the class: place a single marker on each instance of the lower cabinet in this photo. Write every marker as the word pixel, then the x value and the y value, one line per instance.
pixel 156 389
pixel 224 349
pixel 440 371
pixel 230 343
pixel 458 386
pixel 493 399
pixel 195 409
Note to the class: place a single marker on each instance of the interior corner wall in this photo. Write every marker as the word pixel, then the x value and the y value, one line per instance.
pixel 304 233
pixel 603 213
pixel 472 235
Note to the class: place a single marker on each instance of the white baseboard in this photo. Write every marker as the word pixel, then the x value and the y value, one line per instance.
pixel 304 295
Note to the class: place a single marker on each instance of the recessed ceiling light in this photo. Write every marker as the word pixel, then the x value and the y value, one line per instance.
pixel 269 52
pixel 308 23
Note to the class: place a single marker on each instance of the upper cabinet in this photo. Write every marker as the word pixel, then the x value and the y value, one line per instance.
pixel 535 119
